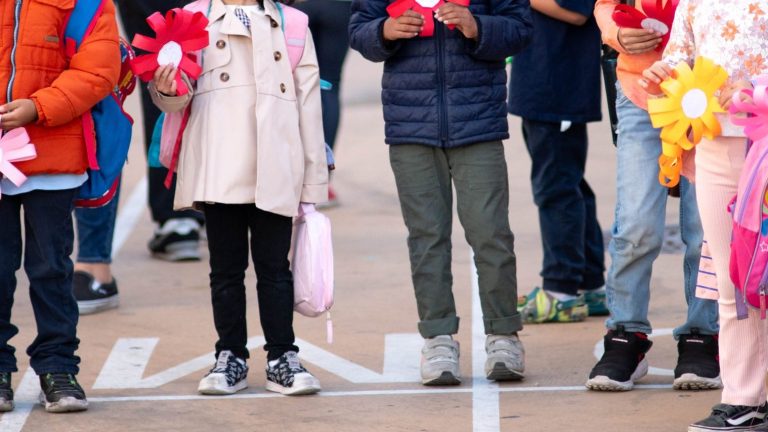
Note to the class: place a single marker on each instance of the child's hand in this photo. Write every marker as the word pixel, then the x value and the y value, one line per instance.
pixel 655 75
pixel 638 41
pixel 18 113
pixel 727 92
pixel 460 16
pixel 406 26
pixel 165 80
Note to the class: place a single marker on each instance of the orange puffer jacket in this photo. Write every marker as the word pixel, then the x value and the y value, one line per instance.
pixel 33 65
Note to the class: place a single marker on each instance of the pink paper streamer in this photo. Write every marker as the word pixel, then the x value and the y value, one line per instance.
pixel 15 147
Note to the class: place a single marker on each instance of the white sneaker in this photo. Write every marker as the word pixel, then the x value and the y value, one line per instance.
pixel 506 358
pixel 228 376
pixel 440 361
pixel 287 376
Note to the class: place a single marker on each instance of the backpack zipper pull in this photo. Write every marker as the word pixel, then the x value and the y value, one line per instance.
pixel 762 301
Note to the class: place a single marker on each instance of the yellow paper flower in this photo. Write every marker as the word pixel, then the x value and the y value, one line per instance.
pixel 686 113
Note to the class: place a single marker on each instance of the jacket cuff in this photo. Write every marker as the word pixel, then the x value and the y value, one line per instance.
pixel 40 112
pixel 314 193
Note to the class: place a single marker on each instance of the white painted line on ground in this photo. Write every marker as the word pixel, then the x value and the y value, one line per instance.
pixel 360 393
pixel 29 388
pixel 485 394
pixel 127 219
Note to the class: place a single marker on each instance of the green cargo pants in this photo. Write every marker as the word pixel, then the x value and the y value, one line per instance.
pixel 424 176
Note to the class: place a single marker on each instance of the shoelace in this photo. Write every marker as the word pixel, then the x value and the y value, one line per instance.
pixel 62 382
pixel 441 351
pixel 293 362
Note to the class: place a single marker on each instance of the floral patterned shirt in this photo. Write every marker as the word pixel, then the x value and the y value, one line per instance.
pixel 733 33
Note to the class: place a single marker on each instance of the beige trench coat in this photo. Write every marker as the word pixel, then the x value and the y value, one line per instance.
pixel 255 131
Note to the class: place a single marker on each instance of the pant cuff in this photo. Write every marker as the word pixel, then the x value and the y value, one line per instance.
pixel 503 326
pixel 632 328
pixel 93 260
pixel 593 282
pixel 562 287
pixel 42 370
pixel 439 327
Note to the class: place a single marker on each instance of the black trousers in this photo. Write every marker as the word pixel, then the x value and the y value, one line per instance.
pixel 134 14
pixel 328 22
pixel 227 226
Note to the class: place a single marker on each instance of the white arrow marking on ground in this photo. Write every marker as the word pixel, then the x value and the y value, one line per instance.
pixel 125 366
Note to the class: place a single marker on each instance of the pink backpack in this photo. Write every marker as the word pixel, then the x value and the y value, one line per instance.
pixel 749 241
pixel 295 25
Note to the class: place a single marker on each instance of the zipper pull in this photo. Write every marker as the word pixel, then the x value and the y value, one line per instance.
pixel 762 301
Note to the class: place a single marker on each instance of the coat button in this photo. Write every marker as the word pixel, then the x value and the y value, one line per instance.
pixel 282 88
pixel 273 23
pixel 220 44
pixel 224 77
pixel 278 55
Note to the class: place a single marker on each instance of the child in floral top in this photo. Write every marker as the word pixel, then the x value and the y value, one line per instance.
pixel 733 34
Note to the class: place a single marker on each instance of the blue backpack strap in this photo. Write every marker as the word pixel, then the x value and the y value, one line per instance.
pixel 81 22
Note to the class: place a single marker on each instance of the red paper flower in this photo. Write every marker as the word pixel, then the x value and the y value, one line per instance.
pixel 656 17
pixel 178 35
pixel 426 8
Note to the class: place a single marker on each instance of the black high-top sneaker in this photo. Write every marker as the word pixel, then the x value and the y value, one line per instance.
pixel 286 375
pixel 6 392
pixel 228 375
pixel 732 418
pixel 623 362
pixel 698 362
pixel 61 393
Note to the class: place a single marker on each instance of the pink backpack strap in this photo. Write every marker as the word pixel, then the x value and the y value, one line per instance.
pixel 295 26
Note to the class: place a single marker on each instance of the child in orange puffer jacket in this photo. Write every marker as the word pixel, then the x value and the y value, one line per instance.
pixel 47 93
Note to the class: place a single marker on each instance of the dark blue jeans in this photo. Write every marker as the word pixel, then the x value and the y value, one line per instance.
pixel 95 230
pixel 570 234
pixel 48 239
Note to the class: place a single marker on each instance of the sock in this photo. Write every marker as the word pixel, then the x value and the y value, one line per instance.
pixel 561 296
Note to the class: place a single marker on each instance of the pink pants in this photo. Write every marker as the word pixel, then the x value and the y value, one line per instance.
pixel 743 351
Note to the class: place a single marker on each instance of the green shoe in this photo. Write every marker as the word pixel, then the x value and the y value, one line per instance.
pixel 595 300
pixel 541 307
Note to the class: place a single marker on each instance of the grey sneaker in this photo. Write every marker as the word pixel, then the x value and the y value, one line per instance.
pixel 506 358
pixel 440 361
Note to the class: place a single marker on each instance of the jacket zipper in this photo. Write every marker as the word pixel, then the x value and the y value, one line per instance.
pixel 16 25
pixel 442 113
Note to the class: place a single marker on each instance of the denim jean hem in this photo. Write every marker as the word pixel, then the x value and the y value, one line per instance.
pixel 8 369
pixel 563 287
pixel 439 327
pixel 42 370
pixel 503 326
pixel 93 260
pixel 630 328
pixel 685 329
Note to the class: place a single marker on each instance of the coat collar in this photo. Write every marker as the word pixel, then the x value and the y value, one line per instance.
pixel 231 25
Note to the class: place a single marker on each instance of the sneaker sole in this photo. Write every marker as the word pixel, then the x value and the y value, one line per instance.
pixel 67 404
pixel 501 372
pixel 693 428
pixel 445 379
pixel 691 381
pixel 87 307
pixel 213 388
pixel 180 251
pixel 604 383
pixel 307 389
pixel 6 405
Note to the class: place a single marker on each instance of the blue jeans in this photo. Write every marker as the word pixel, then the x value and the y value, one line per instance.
pixel 95 229
pixel 47 246
pixel 638 230
pixel 574 256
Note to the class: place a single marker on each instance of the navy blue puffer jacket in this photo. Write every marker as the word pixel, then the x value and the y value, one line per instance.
pixel 445 90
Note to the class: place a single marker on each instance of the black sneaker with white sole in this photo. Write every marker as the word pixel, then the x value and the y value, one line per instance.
pixel 228 376
pixel 61 393
pixel 698 363
pixel 6 392
pixel 731 418
pixel 93 296
pixel 177 240
pixel 287 376
pixel 622 363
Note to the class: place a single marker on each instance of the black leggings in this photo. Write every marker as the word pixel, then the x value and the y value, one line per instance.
pixel 328 21
pixel 228 226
